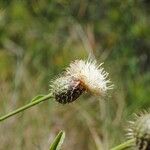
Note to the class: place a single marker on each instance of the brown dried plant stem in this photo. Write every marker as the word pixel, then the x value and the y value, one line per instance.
pixel 27 106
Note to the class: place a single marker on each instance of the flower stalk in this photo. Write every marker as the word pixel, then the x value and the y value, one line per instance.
pixel 27 106
pixel 124 145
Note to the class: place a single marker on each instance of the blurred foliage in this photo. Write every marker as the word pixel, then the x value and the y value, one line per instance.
pixel 58 141
pixel 38 38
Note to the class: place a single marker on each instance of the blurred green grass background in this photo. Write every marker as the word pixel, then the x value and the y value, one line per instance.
pixel 39 38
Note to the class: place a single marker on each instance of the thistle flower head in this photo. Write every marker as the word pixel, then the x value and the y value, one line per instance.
pixel 140 131
pixel 91 75
pixel 80 76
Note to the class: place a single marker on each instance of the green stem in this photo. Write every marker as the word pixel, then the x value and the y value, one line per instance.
pixel 124 145
pixel 46 97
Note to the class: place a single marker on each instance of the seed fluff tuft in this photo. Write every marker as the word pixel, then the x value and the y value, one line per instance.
pixel 91 75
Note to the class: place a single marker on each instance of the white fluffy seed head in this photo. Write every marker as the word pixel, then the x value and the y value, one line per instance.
pixel 92 76
pixel 79 77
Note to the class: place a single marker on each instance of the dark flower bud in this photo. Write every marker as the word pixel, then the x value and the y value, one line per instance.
pixel 67 89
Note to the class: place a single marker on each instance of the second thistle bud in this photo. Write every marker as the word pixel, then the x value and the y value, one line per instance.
pixel 140 130
pixel 67 89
